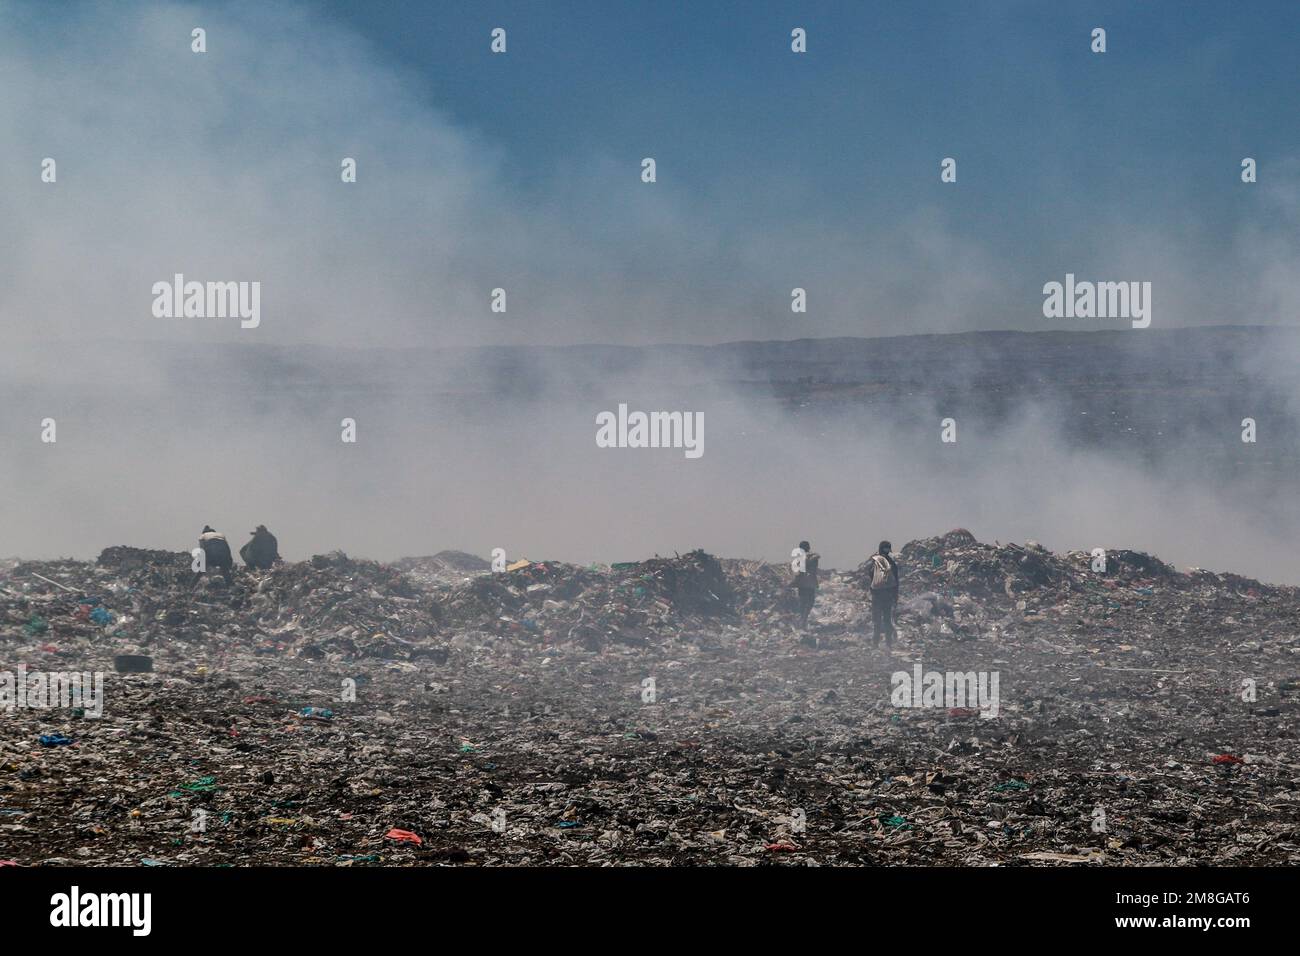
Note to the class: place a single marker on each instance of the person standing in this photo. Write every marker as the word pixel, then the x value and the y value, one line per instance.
pixel 884 594
pixel 805 582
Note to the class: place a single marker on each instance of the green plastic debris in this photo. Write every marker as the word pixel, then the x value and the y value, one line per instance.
pixel 37 625
pixel 1011 785
pixel 202 785
pixel 895 823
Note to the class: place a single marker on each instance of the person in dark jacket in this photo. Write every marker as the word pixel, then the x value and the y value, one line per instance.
pixel 805 582
pixel 884 594
pixel 216 552
pixel 262 551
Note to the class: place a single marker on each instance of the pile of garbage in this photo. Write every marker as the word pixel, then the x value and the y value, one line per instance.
pixel 763 591
pixel 125 558
pixel 334 604
pixel 340 712
pixel 445 567
pixel 693 583
pixel 624 603
pixel 331 604
pixel 957 564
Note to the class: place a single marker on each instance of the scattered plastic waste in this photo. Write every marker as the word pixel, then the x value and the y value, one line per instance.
pixel 657 711
pixel 202 785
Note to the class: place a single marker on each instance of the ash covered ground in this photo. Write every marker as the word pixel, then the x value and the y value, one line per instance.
pixel 505 718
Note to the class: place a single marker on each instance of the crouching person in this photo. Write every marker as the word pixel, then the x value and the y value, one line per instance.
pixel 216 553
pixel 262 551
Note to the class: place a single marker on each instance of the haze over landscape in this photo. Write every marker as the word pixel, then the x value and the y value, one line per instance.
pixel 406 433
pixel 772 176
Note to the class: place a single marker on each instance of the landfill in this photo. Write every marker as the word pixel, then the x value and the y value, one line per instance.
pixel 665 711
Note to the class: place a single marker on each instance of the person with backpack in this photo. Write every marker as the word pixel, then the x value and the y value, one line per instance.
pixel 884 594
pixel 805 581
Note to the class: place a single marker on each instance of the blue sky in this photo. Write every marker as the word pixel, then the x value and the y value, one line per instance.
pixel 775 170
pixel 1010 88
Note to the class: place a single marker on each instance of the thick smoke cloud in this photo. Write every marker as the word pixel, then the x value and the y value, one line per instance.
pixel 226 166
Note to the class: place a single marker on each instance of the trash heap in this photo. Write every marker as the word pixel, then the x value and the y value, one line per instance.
pixel 445 567
pixel 125 558
pixel 960 588
pixel 340 606
pixel 631 602
pixel 693 583
pixel 957 564
pixel 339 712
pixel 542 599
pixel 329 605
pixel 763 592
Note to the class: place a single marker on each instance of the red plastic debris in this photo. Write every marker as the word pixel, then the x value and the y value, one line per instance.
pixel 1228 758
pixel 404 836
pixel 963 712
pixel 782 846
